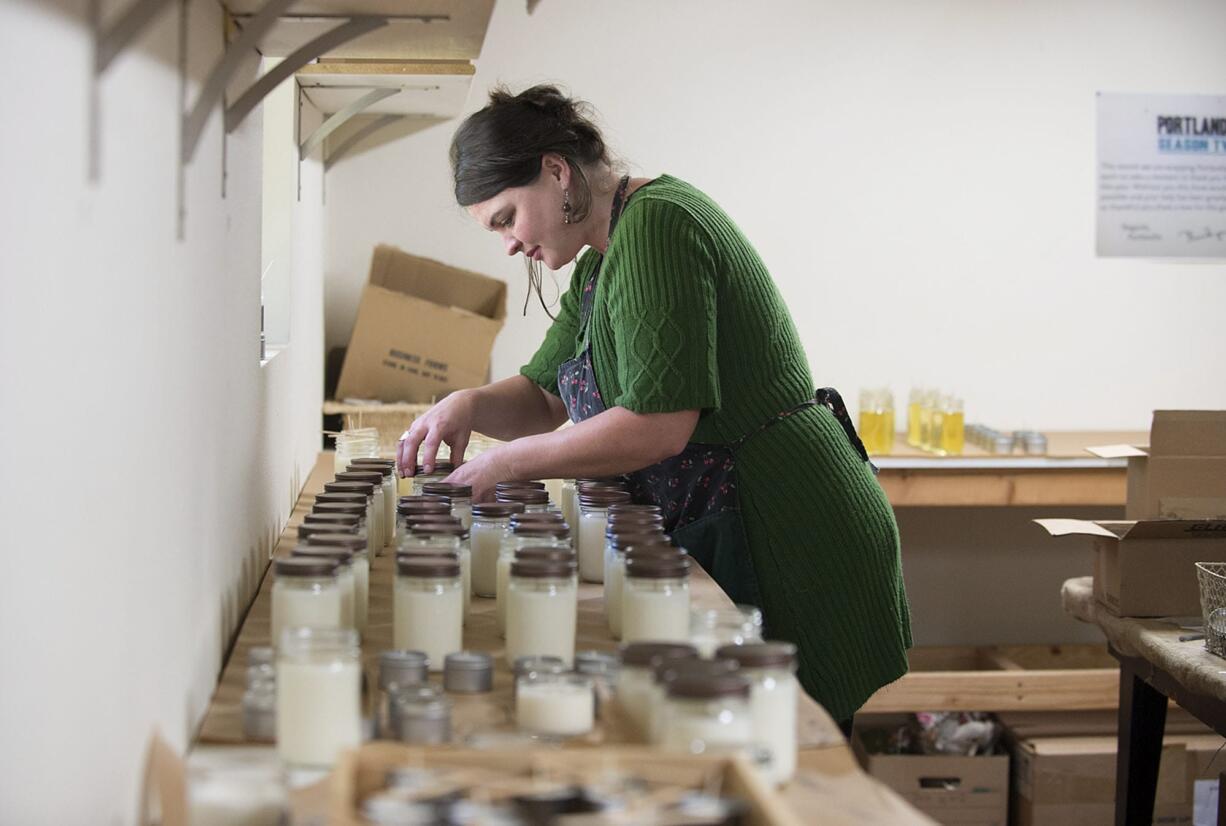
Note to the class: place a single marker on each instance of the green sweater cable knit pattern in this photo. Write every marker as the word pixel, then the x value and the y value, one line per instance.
pixel 686 317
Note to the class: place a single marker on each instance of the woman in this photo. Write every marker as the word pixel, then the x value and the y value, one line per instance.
pixel 677 360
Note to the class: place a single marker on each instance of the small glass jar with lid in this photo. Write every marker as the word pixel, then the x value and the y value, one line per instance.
pixel 343 522
pixel 366 489
pixel 774 694
pixel 319 692
pixel 397 669
pixel 491 523
pixel 707 714
pixel 305 592
pixel 637 675
pixel 555 705
pixel 711 628
pixel 259 704
pixel 656 598
pixel 374 478
pixel 410 506
pixel 440 472
pixel 523 535
pixel 428 608
pixel 534 501
pixel 615 568
pixel 542 609
pixel 590 538
pixel 461 497
pixel 345 579
pixel 668 670
pixel 443 536
pixel 355 544
pixel 388 468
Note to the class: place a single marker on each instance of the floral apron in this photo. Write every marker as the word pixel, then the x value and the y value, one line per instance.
pixel 697 488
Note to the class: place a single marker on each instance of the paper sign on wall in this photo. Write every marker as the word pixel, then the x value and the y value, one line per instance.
pixel 1162 175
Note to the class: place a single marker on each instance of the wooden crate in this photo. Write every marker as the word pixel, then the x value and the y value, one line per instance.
pixel 1003 678
pixel 361 772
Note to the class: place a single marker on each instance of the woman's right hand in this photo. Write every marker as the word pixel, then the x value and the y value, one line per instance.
pixel 450 421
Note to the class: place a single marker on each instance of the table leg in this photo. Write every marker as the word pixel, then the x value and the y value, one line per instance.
pixel 1142 720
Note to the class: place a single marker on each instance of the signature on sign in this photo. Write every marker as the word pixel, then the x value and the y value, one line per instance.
pixel 1205 234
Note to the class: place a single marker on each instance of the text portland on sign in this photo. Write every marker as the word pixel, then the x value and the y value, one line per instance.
pixel 1188 133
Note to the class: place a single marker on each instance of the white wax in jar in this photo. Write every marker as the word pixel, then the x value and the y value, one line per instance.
pixel 688 730
pixel 389 509
pixel 562 709
pixel 376 518
pixel 772 705
pixel 294 607
pixel 486 542
pixel 466 578
pixel 633 694
pixel 591 546
pixel 318 711
pixel 540 623
pixel 463 510
pixel 614 579
pixel 654 611
pixel 503 577
pixel 428 619
pixel 361 592
pixel 346 582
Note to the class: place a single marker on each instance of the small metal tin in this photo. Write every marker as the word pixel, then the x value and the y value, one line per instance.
pixel 603 667
pixel 402 668
pixel 1002 444
pixel 423 715
pixel 1036 444
pixel 468 672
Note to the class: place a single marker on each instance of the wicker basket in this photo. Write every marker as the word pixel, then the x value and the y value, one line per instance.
pixel 1212 579
pixel 389 419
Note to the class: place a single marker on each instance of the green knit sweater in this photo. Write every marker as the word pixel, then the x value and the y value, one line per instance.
pixel 686 317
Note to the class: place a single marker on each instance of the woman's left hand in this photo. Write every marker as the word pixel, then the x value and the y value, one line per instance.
pixel 483 473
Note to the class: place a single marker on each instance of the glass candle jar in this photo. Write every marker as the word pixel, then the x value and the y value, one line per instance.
pixel 319 689
pixel 656 599
pixel 491 524
pixel 388 468
pixel 345 579
pixel 305 593
pixel 260 704
pixel 603 668
pixel 461 497
pixel 589 546
pixel 375 518
pixel 707 714
pixel 570 503
pixel 615 572
pixel 774 694
pixel 411 506
pixel 441 471
pixel 428 609
pixel 397 670
pixel 354 445
pixel 343 522
pixel 555 705
pixel 356 545
pixel 443 536
pixel 529 665
pixel 522 536
pixel 664 673
pixel 637 675
pixel 367 489
pixel 714 627
pixel 542 610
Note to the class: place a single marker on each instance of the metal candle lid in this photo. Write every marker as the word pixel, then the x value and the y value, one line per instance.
pixel 402 667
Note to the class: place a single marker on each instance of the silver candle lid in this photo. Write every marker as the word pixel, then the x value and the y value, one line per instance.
pixel 468 672
pixel 597 662
pixel 402 667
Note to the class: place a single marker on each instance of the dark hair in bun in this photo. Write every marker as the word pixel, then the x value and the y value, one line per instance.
pixel 501 145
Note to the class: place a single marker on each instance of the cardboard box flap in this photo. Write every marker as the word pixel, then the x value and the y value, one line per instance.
pixel 1117 451
pixel 396 270
pixel 1188 433
pixel 1145 529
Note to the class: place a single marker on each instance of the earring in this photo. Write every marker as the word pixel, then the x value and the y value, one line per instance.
pixel 566 207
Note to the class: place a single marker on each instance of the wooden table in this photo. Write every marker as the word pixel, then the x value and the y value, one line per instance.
pixel 1154 666
pixel 828 777
pixel 1066 475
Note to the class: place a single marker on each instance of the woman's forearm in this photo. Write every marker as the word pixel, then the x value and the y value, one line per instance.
pixel 513 408
pixel 613 442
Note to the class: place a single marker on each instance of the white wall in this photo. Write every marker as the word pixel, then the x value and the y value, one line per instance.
pixel 918 176
pixel 149 459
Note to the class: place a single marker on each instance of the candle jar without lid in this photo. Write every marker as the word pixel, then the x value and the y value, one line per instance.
pixel 319 686
pixel 555 705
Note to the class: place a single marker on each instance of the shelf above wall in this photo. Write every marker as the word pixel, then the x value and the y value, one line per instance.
pixel 415 30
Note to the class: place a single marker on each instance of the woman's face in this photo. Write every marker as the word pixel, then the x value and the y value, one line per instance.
pixel 529 218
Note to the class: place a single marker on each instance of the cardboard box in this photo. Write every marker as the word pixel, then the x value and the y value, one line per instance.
pixel 1065 776
pixel 1148 569
pixel 423 329
pixel 966 791
pixel 1182 473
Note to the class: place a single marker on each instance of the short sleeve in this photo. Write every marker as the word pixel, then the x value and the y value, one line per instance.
pixel 663 311
pixel 562 336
